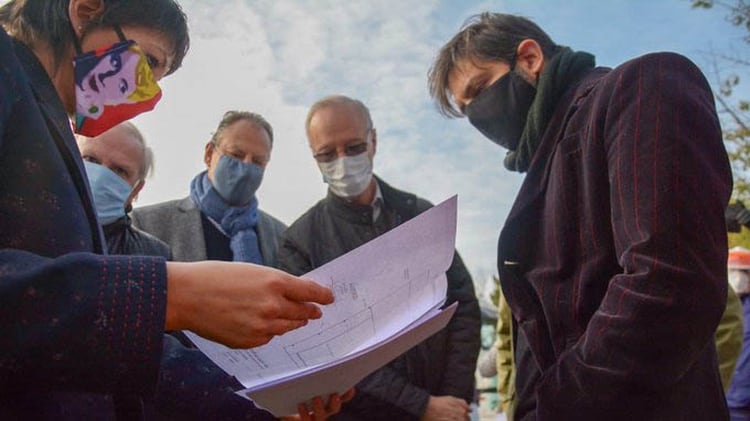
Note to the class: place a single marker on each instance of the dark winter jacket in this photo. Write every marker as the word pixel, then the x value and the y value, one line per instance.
pixel 613 257
pixel 123 238
pixel 443 364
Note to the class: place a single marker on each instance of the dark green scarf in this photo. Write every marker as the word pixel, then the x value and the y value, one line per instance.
pixel 562 71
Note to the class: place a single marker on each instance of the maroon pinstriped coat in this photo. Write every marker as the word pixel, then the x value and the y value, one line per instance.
pixel 613 258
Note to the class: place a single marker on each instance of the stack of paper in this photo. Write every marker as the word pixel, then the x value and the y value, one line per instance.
pixel 388 297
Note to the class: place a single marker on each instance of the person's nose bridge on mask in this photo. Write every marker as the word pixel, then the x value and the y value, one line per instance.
pixel 351 149
pixel 242 156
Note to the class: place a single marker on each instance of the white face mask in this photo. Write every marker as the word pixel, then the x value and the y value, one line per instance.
pixel 740 281
pixel 347 176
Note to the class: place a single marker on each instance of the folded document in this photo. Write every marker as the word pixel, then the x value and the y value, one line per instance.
pixel 388 297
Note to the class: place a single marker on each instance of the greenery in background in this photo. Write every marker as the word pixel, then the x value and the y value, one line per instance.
pixel 741 238
pixel 496 292
pixel 729 66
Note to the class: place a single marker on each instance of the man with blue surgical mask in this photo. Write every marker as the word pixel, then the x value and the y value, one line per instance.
pixel 117 163
pixel 435 379
pixel 220 219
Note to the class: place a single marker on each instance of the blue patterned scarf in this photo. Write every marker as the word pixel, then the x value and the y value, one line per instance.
pixel 237 223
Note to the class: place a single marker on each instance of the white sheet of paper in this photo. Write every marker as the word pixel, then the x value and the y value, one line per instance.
pixel 381 288
pixel 282 396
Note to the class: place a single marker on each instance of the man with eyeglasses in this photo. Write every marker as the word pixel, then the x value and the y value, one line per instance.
pixel 435 379
pixel 220 219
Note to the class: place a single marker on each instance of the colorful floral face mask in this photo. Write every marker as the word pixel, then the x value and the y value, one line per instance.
pixel 113 85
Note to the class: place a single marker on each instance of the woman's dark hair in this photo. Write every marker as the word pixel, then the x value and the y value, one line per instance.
pixel 32 21
pixel 486 37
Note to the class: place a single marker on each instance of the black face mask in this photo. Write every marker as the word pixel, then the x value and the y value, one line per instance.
pixel 500 110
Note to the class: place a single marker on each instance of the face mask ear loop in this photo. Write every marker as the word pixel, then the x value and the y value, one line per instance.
pixel 76 41
pixel 368 137
pixel 120 34
pixel 514 60
pixel 131 197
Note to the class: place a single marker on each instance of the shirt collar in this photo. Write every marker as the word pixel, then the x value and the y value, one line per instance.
pixel 360 214
pixel 377 201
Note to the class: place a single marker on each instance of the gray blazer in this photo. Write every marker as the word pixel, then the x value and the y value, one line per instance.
pixel 178 223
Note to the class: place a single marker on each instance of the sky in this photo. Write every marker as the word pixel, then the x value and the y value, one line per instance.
pixel 277 57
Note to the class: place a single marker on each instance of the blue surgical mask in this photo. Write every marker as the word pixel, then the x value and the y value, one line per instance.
pixel 110 192
pixel 236 181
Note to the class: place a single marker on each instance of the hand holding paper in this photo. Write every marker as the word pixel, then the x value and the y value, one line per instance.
pixel 319 410
pixel 388 293
pixel 234 311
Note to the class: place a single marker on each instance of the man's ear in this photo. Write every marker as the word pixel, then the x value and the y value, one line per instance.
pixel 374 141
pixel 530 58
pixel 208 153
pixel 134 193
pixel 81 12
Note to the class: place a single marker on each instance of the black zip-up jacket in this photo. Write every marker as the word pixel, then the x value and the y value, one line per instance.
pixel 442 365
pixel 123 238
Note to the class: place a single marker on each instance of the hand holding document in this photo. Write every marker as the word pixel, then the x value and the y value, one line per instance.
pixel 388 297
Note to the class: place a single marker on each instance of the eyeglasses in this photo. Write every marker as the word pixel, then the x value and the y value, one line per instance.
pixel 349 150
pixel 241 156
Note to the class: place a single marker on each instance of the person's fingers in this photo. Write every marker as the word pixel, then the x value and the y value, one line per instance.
pixel 334 404
pixel 348 395
pixel 319 409
pixel 285 326
pixel 241 341
pixel 248 339
pixel 304 414
pixel 308 291
pixel 276 327
pixel 299 311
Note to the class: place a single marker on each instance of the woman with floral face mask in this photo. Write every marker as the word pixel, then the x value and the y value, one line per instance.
pixel 80 326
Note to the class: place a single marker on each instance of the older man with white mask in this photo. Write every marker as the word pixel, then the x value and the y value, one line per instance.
pixel 435 379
